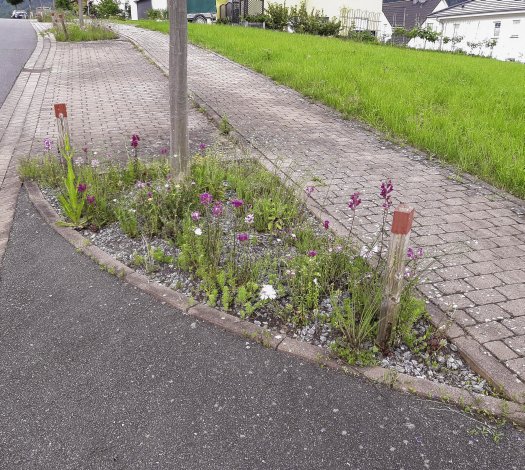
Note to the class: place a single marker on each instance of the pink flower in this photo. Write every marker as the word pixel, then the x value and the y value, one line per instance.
pixel 91 200
pixel 326 224
pixel 242 237
pixel 217 209
pixel 386 188
pixel 81 188
pixel 237 203
pixel 195 216
pixel 354 202
pixel 135 139
pixel 309 190
pixel 164 151
pixel 48 143
pixel 312 253
pixel 202 147
pixel 140 185
pixel 206 199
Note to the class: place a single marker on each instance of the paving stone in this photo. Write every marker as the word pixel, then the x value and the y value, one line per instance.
pixel 484 281
pixel 516 325
pixel 487 332
pixel 518 366
pixel 515 307
pixel 488 312
pixel 501 350
pixel 513 291
pixel 512 277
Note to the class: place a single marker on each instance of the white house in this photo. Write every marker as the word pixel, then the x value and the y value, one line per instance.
pixel 332 8
pixel 494 28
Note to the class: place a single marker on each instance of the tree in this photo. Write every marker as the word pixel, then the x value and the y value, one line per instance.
pixel 14 2
pixel 178 87
pixel 107 8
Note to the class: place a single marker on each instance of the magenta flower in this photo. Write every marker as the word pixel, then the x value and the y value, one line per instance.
pixel 242 237
pixel 164 151
pixel 81 188
pixel 150 194
pixel 309 190
pixel 420 252
pixel 206 199
pixel 386 188
pixel 135 139
pixel 312 253
pixel 85 149
pixel 326 224
pixel 91 200
pixel 195 216
pixel 354 202
pixel 202 147
pixel 48 143
pixel 217 209
pixel 237 203
pixel 413 255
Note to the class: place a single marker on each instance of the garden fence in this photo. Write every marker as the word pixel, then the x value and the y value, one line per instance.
pixel 359 20
pixel 236 10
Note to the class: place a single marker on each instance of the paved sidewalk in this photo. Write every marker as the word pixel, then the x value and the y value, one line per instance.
pixel 474 233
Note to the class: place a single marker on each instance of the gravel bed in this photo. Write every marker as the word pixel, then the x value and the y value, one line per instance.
pixel 444 365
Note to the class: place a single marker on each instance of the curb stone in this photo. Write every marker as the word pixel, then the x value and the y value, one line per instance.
pixel 308 352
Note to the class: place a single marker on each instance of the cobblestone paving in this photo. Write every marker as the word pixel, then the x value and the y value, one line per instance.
pixel 473 233
pixel 111 92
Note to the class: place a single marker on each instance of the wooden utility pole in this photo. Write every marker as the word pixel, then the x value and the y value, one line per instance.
pixel 395 272
pixel 178 87
pixel 80 13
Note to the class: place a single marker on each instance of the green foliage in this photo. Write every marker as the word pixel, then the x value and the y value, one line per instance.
pixel 107 9
pixel 272 213
pixel 312 23
pixel 90 32
pixel 154 14
pixel 224 126
pixel 127 220
pixel 277 16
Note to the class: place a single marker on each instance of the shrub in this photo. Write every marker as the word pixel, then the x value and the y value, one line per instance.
pixel 154 14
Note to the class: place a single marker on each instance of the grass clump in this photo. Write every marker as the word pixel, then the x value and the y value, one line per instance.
pixel 466 110
pixel 90 32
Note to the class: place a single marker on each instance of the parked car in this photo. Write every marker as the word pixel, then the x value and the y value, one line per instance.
pixel 19 14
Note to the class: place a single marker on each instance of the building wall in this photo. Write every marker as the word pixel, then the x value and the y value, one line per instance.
pixel 332 8
pixel 510 43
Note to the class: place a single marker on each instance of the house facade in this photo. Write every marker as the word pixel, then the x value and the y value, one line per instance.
pixel 332 8
pixel 491 28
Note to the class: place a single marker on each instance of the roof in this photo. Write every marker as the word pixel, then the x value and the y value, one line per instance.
pixel 410 13
pixel 476 7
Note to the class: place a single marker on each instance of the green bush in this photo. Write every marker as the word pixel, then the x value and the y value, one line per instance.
pixel 154 14
pixel 107 9
pixel 90 32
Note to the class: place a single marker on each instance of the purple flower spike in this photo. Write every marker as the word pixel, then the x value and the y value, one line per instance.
pixel 386 188
pixel 237 203
pixel 354 202
pixel 309 190
pixel 420 253
pixel 164 151
pixel 195 216
pixel 206 199
pixel 217 209
pixel 410 253
pixel 135 139
pixel 81 188
pixel 91 200
pixel 326 224
pixel 140 185
pixel 150 194
pixel 202 147
pixel 48 143
pixel 242 237
pixel 312 253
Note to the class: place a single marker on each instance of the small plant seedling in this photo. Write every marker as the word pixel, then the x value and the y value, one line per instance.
pixel 225 127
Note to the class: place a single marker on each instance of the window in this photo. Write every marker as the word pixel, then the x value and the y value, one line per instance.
pixel 497 28
pixel 515 28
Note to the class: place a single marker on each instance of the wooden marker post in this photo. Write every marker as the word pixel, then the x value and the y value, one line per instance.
pixel 62 22
pixel 63 127
pixel 395 273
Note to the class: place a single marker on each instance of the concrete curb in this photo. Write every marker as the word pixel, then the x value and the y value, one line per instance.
pixel 308 352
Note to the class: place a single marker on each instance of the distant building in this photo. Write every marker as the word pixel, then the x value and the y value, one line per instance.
pixel 494 28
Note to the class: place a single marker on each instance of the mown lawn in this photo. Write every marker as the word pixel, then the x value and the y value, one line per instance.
pixel 468 111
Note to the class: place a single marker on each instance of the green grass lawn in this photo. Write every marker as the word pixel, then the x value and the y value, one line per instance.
pixel 90 32
pixel 468 111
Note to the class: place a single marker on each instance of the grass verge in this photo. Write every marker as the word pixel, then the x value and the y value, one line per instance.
pixel 90 32
pixel 468 111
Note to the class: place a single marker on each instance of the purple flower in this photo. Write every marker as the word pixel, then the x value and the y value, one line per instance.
pixel 249 219
pixel 78 161
pixel 135 139
pixel 95 163
pixel 48 143
pixel 81 188
pixel 354 202
pixel 216 210
pixel 164 151
pixel 386 188
pixel 202 147
pixel 309 190
pixel 237 203
pixel 410 253
pixel 420 252
pixel 85 149
pixel 150 194
pixel 312 253
pixel 242 237
pixel 195 216
pixel 326 224
pixel 206 199
pixel 91 200
pixel 140 185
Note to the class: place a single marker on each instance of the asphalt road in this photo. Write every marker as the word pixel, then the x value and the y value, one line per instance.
pixel 96 375
pixel 17 43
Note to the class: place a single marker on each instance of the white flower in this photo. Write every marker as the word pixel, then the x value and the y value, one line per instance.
pixel 316 282
pixel 249 219
pixel 198 231
pixel 268 292
pixel 166 185
pixel 95 163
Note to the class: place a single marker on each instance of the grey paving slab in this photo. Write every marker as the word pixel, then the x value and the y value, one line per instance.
pixel 95 374
pixel 457 218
